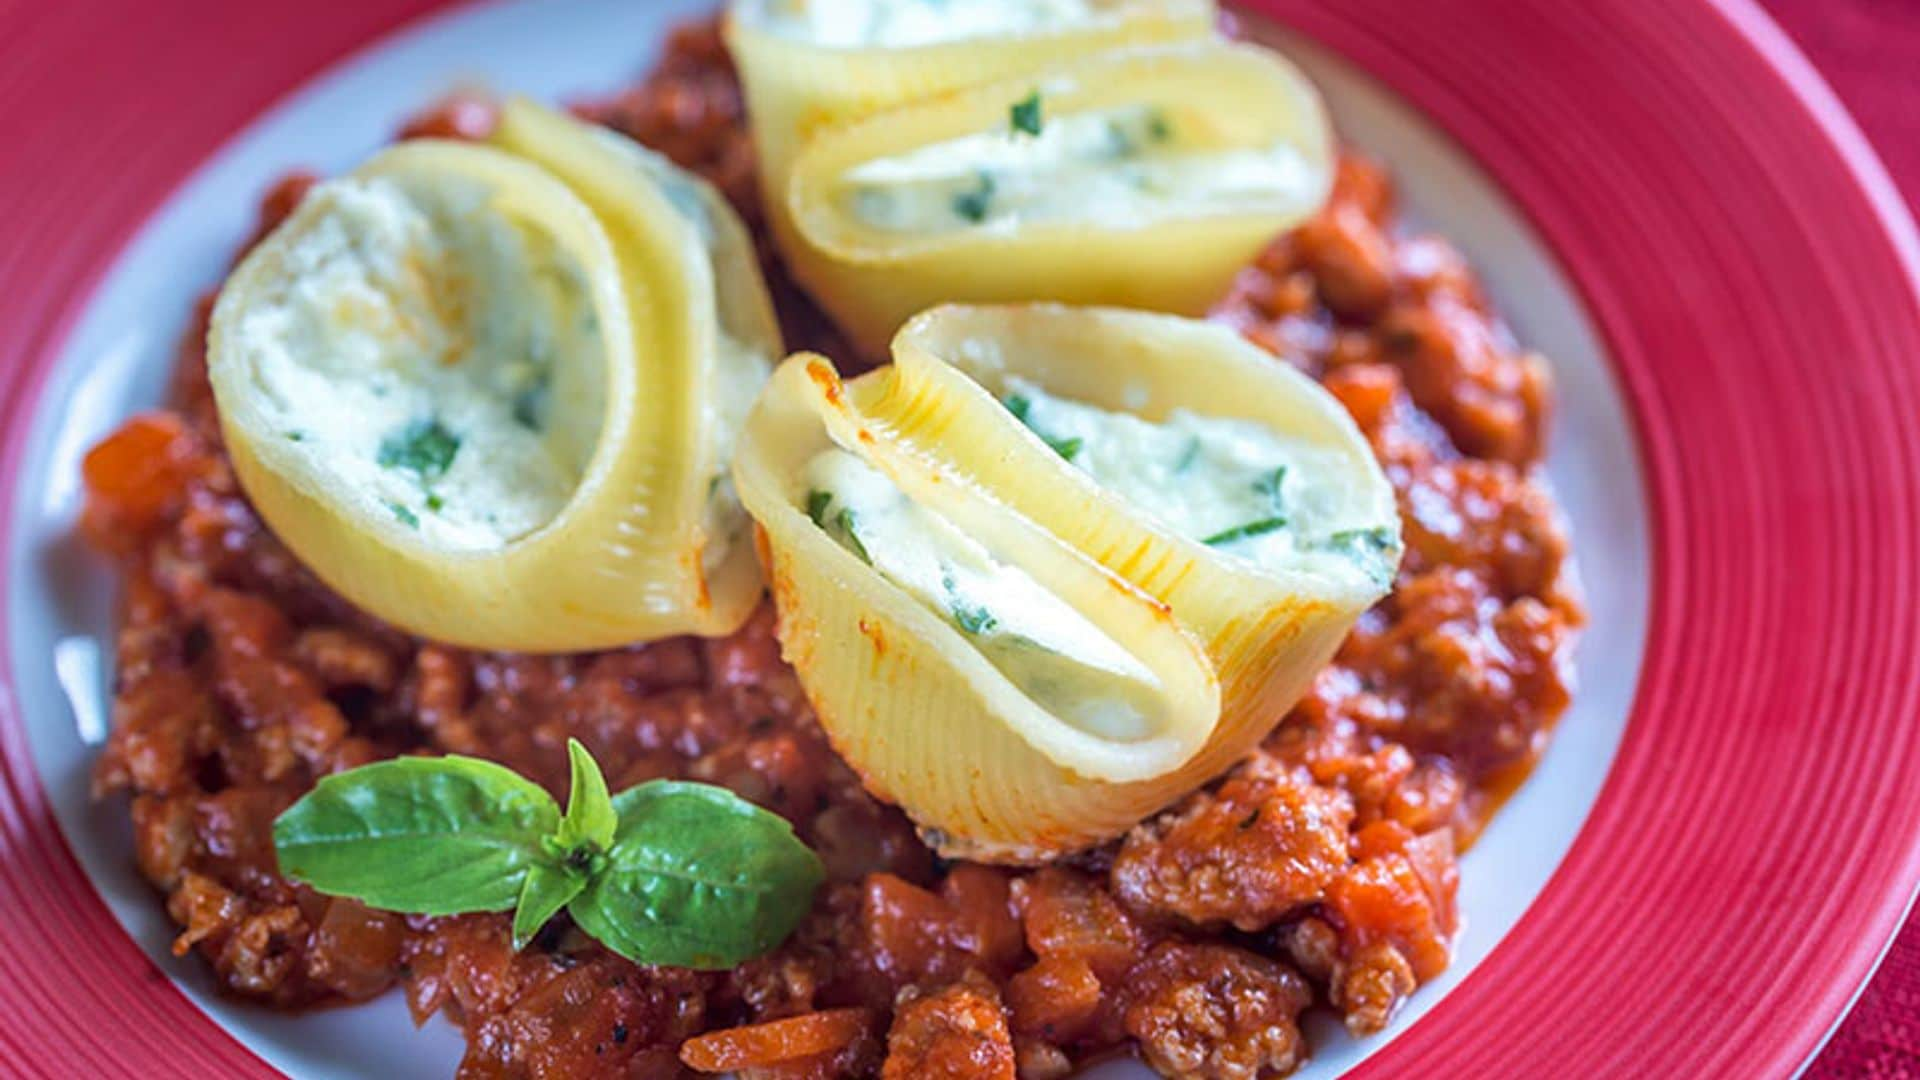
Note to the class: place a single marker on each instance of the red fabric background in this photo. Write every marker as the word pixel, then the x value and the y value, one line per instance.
pixel 1870 51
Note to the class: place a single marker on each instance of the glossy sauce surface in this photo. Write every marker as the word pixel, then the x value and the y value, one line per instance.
pixel 1320 872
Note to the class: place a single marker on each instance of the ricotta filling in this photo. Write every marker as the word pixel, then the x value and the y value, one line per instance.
pixel 1116 167
pixel 1234 485
pixel 904 23
pixel 1062 662
pixel 435 354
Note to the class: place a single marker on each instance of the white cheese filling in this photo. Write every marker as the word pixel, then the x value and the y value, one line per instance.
pixel 905 23
pixel 1120 167
pixel 1052 653
pixel 1234 485
pixel 435 353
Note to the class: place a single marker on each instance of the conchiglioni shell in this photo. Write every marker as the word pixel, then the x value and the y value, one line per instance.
pixel 795 88
pixel 872 280
pixel 689 274
pixel 908 701
pixel 625 558
pixel 1269 629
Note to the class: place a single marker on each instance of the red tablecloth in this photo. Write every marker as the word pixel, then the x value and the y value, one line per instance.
pixel 1870 51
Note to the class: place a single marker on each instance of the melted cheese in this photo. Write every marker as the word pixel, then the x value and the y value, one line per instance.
pixel 1119 167
pixel 1051 652
pixel 905 23
pixel 433 352
pixel 1237 486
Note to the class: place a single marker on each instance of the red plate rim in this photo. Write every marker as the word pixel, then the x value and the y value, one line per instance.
pixel 1757 280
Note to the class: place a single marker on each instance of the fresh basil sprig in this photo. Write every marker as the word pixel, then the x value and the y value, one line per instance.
pixel 674 873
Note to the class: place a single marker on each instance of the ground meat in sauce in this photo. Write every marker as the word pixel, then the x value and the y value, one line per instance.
pixel 1321 871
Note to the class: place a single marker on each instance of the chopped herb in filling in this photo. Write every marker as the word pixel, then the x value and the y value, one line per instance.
pixel 1270 487
pixel 405 516
pixel 1247 531
pixel 974 205
pixel 425 448
pixel 1068 447
pixel 817 503
pixel 842 526
pixel 1159 127
pixel 1187 455
pixel 1025 116
pixel 969 616
pixel 845 524
pixel 1044 646
pixel 1129 135
pixel 1360 541
pixel 1228 483
pixel 530 404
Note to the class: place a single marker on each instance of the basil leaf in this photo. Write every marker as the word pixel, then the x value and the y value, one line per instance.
pixel 548 889
pixel 590 819
pixel 427 836
pixel 697 877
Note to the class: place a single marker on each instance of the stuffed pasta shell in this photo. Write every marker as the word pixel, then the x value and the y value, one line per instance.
pixel 1220 498
pixel 1145 179
pixel 487 392
pixel 808 65
pixel 999 685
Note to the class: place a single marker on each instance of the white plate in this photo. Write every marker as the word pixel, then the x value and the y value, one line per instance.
pixel 121 350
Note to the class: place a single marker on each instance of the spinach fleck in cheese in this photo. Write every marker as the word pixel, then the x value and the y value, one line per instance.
pixel 904 23
pixel 434 355
pixel 1233 485
pixel 1114 167
pixel 1052 653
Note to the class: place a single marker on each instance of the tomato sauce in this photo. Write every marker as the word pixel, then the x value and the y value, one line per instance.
pixel 1320 873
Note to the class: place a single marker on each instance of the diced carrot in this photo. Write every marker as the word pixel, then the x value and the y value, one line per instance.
pixel 138 469
pixel 775 1041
